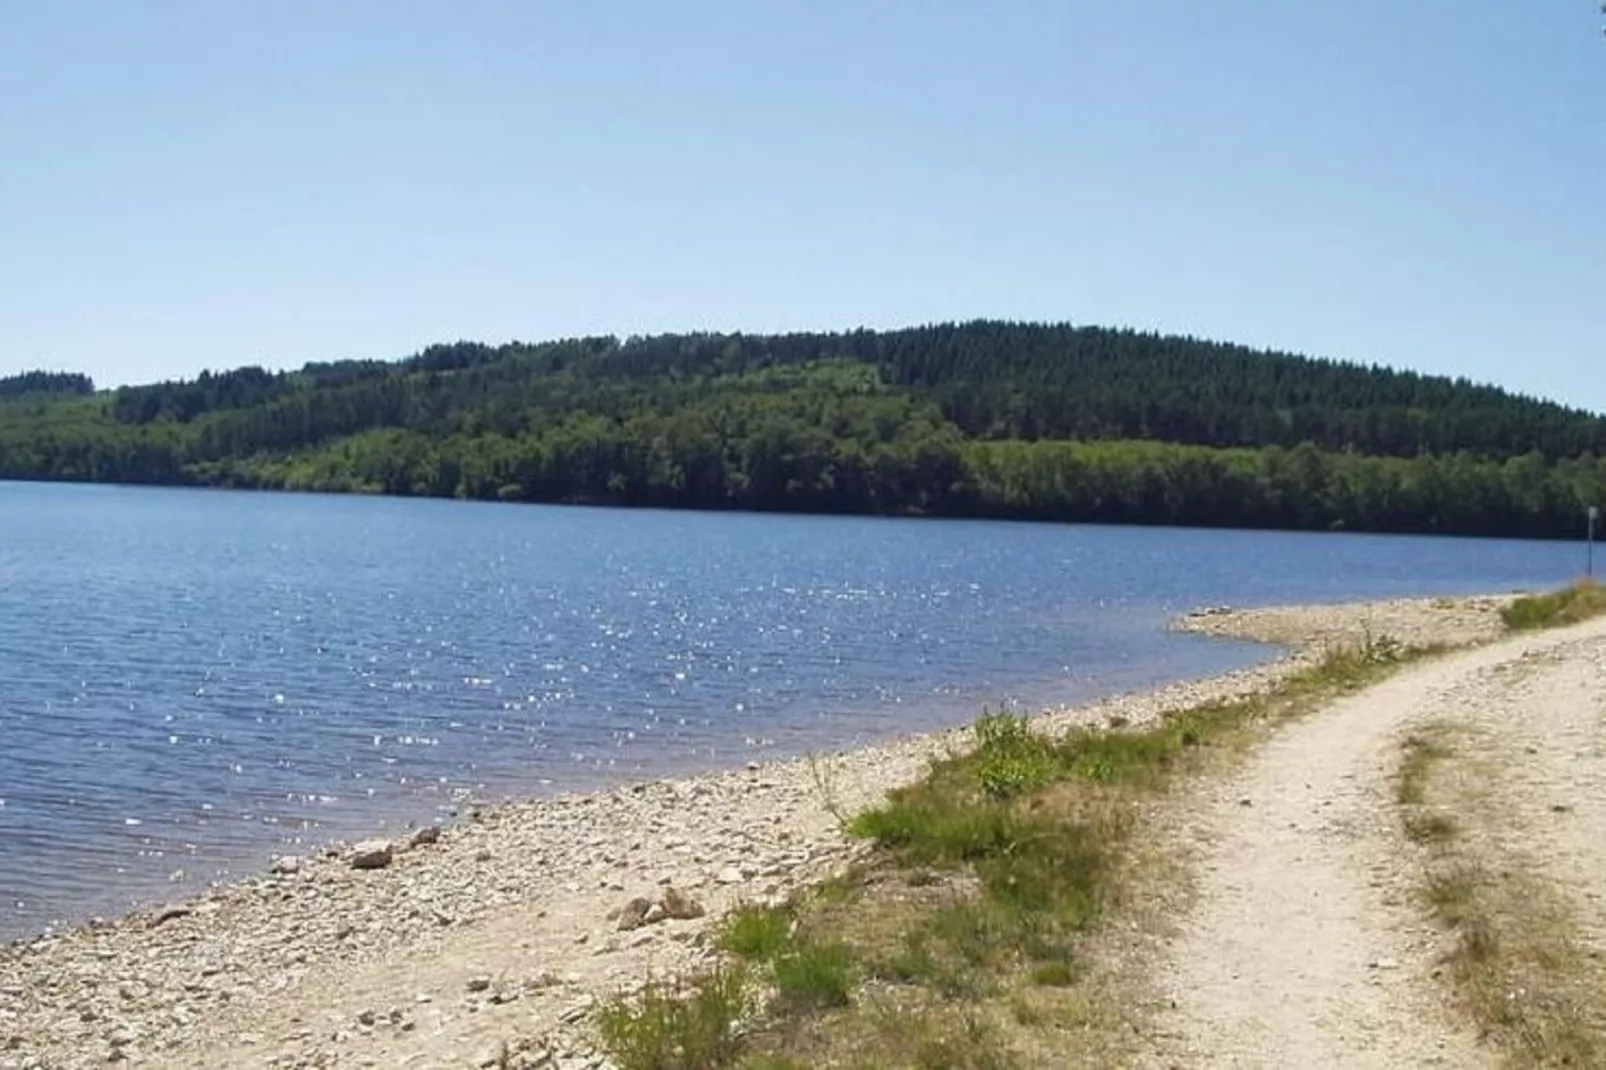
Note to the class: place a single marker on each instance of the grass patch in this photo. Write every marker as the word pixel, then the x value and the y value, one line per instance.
pixel 1054 975
pixel 757 934
pixel 1512 964
pixel 965 924
pixel 1571 605
pixel 815 976
pixel 1509 957
pixel 683 1026
pixel 1423 751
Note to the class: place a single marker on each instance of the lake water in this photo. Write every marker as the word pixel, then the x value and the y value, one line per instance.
pixel 193 681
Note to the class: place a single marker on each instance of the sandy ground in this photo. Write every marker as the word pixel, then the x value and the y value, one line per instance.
pixel 504 928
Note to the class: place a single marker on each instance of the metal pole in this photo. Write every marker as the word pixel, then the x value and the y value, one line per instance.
pixel 1594 515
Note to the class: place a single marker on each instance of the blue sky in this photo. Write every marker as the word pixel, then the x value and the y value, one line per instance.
pixel 204 184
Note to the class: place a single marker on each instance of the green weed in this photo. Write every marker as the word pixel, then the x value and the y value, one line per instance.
pixel 815 976
pixel 757 934
pixel 684 1026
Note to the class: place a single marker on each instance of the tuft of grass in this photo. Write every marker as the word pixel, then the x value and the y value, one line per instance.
pixel 757 933
pixel 824 775
pixel 683 1026
pixel 1570 605
pixel 1431 827
pixel 1054 975
pixel 1452 893
pixel 938 1040
pixel 1424 750
pixel 815 976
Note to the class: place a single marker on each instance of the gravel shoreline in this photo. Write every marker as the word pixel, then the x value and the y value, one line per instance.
pixel 435 949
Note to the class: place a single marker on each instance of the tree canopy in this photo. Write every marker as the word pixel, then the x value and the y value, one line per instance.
pixel 42 382
pixel 987 418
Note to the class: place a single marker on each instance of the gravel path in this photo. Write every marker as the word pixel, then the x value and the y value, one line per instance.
pixel 1306 946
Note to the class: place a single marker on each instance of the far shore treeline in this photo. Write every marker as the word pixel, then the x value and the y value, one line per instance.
pixel 986 419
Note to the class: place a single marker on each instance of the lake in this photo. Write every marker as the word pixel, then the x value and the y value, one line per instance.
pixel 194 681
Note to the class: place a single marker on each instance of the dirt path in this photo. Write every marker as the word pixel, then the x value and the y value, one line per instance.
pixel 1550 802
pixel 1306 945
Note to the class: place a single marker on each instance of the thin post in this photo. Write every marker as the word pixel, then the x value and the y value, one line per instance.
pixel 1594 515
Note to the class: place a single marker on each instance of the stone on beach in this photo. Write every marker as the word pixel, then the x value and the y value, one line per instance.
pixel 372 854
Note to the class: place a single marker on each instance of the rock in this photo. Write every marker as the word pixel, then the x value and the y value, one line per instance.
pixel 425 836
pixel 655 914
pixel 633 915
pixel 482 855
pixel 680 905
pixel 730 875
pixel 366 1018
pixel 372 854
pixel 479 984
pixel 287 866
pixel 172 914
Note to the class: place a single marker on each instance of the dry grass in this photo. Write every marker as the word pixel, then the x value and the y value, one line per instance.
pixel 963 941
pixel 1424 750
pixel 1571 605
pixel 1509 955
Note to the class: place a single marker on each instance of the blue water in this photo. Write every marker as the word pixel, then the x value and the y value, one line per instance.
pixel 192 681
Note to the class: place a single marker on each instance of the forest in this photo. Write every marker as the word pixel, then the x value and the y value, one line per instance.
pixel 984 419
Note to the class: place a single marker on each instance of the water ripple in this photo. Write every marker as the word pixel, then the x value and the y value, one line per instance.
pixel 192 681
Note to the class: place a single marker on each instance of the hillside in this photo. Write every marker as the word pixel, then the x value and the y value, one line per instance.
pixel 978 419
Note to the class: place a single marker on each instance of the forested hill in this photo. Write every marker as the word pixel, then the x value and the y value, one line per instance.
pixel 984 418
pixel 46 383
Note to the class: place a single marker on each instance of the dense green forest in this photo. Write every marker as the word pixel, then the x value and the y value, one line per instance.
pixel 46 383
pixel 995 419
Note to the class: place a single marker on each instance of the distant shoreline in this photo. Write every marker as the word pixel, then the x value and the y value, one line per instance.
pixel 895 515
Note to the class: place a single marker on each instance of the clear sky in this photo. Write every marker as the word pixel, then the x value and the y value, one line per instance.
pixel 217 182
